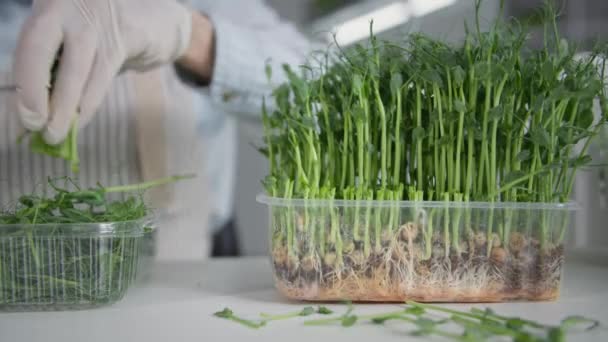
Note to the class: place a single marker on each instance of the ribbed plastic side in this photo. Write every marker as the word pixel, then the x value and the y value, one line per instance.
pixel 432 252
pixel 65 273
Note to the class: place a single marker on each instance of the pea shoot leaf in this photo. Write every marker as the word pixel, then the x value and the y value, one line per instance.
pixel 554 335
pixel 359 114
pixel 445 140
pixel 538 104
pixel 382 319
pixel 585 119
pixel 571 322
pixel 229 315
pixel 459 75
pixel 226 313
pixel 418 134
pixel 426 326
pixel 524 155
pixel 496 113
pixel 432 77
pixel 415 310
pixel 483 71
pixel 396 82
pixel 281 95
pixel 580 161
pixel 38 145
pixel 349 321
pixel 357 82
pixel 515 323
pixel 547 72
pixel 307 311
pixel 263 151
pixel 513 176
pixel 540 136
pixel 324 310
pixel 268 71
pixel 460 106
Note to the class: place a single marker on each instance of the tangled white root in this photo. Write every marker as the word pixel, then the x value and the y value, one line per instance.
pixel 398 274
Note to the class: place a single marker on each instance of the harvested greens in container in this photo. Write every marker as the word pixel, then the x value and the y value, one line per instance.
pixel 72 249
pixel 428 171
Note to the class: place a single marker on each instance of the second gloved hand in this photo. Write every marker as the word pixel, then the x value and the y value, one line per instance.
pixel 100 38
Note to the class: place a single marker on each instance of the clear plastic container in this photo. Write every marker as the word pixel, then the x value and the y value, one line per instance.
pixel 389 251
pixel 67 266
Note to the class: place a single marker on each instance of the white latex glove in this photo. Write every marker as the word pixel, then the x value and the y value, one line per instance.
pixel 100 39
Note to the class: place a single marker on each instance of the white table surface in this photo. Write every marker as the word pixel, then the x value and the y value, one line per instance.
pixel 175 302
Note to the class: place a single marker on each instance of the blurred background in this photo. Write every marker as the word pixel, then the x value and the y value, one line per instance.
pixel 582 21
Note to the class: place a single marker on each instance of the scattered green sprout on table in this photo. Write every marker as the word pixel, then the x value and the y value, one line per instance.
pixel 228 314
pixel 255 324
pixel 489 120
pixel 72 247
pixel 434 320
pixel 307 311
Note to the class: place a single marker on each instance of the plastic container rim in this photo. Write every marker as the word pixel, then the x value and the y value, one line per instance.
pixel 301 202
pixel 101 227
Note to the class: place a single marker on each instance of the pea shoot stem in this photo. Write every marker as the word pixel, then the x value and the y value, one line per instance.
pixel 147 185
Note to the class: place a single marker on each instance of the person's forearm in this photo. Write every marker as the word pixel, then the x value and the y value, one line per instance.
pixel 199 58
pixel 241 47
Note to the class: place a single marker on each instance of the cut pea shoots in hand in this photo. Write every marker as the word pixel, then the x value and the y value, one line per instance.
pixel 67 149
pixel 434 320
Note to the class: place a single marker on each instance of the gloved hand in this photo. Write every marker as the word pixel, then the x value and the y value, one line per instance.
pixel 100 39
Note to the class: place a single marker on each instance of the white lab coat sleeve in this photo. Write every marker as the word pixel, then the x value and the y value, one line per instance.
pixel 244 46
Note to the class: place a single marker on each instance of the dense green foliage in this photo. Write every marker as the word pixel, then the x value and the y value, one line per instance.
pixel 487 120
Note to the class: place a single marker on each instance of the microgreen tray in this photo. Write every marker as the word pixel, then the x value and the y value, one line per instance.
pixel 67 266
pixel 392 251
